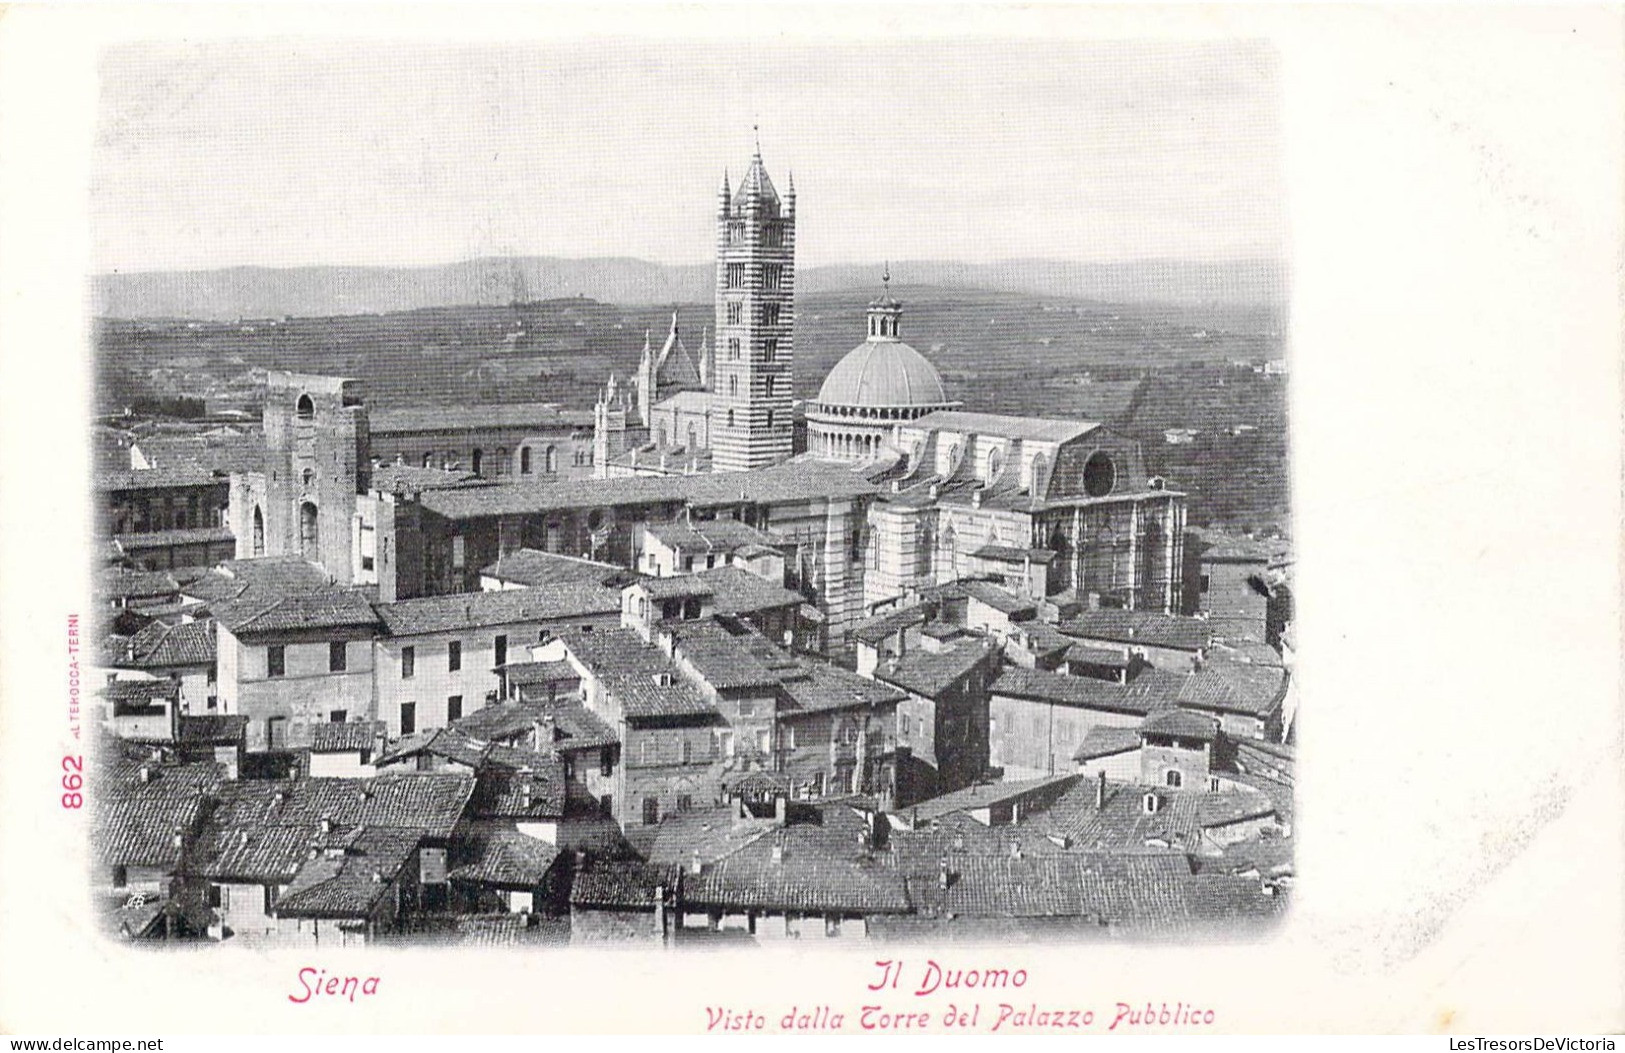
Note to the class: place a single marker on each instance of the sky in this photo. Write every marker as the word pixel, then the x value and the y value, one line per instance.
pixel 292 153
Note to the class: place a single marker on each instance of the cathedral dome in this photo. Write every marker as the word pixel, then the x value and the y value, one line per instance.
pixel 882 373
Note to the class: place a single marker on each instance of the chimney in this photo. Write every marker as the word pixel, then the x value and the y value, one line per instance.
pixel 781 809
pixel 1100 792
pixel 145 774
pixel 739 808
pixel 1015 849
pixel 327 824
pixel 377 877
pixel 694 865
pixel 778 851
pixel 942 873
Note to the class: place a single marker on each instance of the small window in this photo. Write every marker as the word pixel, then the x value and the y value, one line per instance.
pixel 454 709
pixel 454 656
pixel 733 384
pixel 770 314
pixel 1174 778
pixel 337 660
pixel 734 312
pixel 337 716
pixel 409 717
pixel 409 662
pixel 651 811
pixel 502 650
pixel 685 752
pixel 305 408
pixel 685 803
pixel 459 552
pixel 606 762
pixel 524 460
pixel 736 275
pixel 772 275
pixel 770 349
pixel 789 738
pixel 1205 582
pixel 747 707
pixel 733 348
pixel 216 897
pixel 276 660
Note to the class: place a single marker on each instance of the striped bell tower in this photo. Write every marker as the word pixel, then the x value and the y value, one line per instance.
pixel 754 352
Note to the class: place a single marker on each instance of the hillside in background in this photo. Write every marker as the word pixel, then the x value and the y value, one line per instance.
pixel 261 292
pixel 1145 368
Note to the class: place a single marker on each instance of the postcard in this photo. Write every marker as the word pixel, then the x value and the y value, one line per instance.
pixel 811 520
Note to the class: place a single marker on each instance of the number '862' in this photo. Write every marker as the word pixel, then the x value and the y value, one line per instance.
pixel 73 780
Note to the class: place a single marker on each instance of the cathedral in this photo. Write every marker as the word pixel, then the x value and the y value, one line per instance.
pixel 1049 506
pixel 881 488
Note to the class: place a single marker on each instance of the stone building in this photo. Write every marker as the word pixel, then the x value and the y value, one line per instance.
pixel 318 460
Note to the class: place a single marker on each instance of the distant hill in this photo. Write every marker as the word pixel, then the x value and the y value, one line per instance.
pixel 265 292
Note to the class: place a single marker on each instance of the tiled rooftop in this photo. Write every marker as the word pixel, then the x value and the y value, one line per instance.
pixel 533 567
pixel 258 611
pixel 345 737
pixel 985 795
pixel 783 483
pixel 349 882
pixel 930 673
pixel 499 856
pixel 1103 740
pixel 1179 723
pixel 1078 691
pixel 1140 627
pixel 620 885
pixel 125 584
pixel 735 590
pixel 162 645
pixel 824 869
pixel 509 415
pixel 114 480
pixel 709 535
pixel 705 835
pixel 263 830
pixel 136 822
pixel 151 539
pixel 878 627
pixel 998 598
pixel 632 669
pixel 475 610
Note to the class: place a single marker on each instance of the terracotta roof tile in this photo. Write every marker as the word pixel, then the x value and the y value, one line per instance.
pixel 474 610
pixel 1081 692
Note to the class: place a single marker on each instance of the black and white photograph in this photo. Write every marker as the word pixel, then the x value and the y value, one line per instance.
pixel 810 521
pixel 541 519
